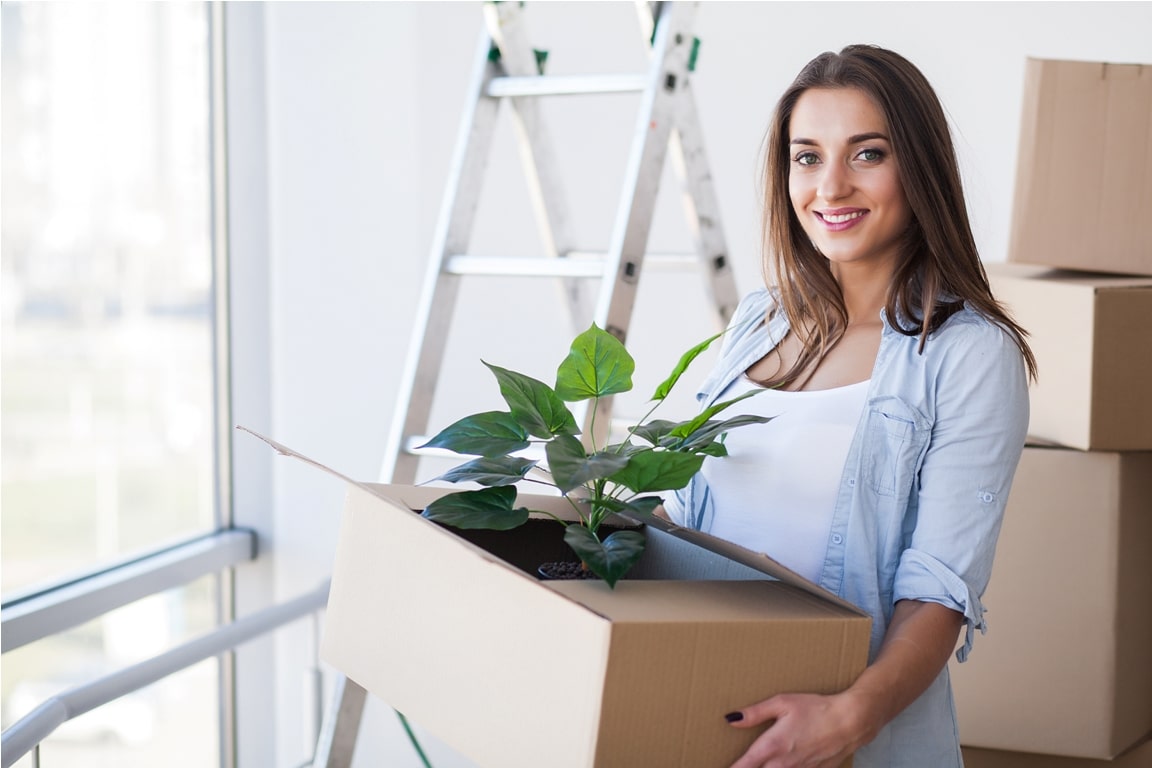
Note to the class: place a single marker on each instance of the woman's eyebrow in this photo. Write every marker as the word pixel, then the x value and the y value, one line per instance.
pixel 871 136
pixel 858 138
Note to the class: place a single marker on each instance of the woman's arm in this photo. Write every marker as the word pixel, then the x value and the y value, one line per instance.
pixel 815 731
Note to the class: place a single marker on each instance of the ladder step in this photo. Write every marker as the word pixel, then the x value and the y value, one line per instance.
pixel 565 85
pixel 582 264
pixel 620 427
pixel 512 266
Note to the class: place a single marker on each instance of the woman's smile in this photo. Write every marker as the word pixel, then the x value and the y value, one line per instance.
pixel 840 219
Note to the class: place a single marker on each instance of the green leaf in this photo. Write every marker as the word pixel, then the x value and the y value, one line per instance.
pixel 713 449
pixel 609 559
pixel 645 506
pixel 571 466
pixel 709 430
pixel 492 433
pixel 658 471
pixel 625 449
pixel 534 404
pixel 597 365
pixel 688 427
pixel 490 509
pixel 604 506
pixel 500 470
pixel 655 431
pixel 686 359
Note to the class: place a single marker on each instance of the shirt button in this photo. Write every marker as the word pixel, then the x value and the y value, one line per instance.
pixel 851 482
pixel 837 538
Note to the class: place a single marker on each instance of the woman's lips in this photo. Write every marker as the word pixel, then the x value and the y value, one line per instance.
pixel 840 219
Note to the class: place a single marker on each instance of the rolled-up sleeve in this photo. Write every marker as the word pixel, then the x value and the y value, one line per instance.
pixel 977 438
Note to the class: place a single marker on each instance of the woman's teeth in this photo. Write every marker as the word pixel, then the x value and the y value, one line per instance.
pixel 840 218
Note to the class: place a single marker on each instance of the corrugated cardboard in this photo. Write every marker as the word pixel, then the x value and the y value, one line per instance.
pixel 1066 667
pixel 1138 757
pixel 450 628
pixel 1084 173
pixel 1092 336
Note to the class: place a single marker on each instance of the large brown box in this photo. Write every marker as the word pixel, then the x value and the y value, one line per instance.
pixel 1066 666
pixel 1092 336
pixel 451 629
pixel 1084 172
pixel 1138 757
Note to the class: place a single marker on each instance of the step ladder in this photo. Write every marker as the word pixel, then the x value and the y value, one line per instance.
pixel 507 70
pixel 598 286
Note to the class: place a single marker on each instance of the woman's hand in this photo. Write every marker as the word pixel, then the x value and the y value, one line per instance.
pixel 806 730
pixel 814 731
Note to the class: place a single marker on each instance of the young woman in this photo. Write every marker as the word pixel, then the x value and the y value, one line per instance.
pixel 899 390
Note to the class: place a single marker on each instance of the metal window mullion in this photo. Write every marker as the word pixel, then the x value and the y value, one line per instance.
pixel 222 359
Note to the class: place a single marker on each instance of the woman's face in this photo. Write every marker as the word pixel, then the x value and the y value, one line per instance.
pixel 843 178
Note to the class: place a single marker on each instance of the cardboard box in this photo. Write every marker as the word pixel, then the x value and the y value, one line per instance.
pixel 1066 667
pixel 1138 757
pixel 1090 334
pixel 1084 171
pixel 450 628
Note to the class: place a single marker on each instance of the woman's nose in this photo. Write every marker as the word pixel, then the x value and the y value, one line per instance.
pixel 834 183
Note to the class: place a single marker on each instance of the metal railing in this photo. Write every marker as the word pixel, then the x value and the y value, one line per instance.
pixel 26 734
pixel 36 615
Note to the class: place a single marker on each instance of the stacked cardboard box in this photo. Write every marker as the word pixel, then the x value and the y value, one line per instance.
pixel 1065 675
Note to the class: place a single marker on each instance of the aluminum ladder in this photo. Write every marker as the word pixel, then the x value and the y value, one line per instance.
pixel 508 70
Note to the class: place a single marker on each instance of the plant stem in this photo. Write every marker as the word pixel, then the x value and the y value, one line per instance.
pixel 576 507
pixel 592 423
pixel 642 420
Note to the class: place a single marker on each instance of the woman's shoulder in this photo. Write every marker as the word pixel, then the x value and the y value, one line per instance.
pixel 756 303
pixel 969 324
pixel 970 333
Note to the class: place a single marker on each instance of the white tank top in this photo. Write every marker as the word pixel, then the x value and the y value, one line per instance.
pixel 775 491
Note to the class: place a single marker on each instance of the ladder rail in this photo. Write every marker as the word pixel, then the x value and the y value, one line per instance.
pixel 698 193
pixel 668 72
pixel 457 213
pixel 702 209
pixel 506 27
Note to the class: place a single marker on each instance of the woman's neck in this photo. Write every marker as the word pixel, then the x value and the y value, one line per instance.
pixel 865 292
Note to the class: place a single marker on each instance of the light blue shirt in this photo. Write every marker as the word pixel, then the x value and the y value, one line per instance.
pixel 922 494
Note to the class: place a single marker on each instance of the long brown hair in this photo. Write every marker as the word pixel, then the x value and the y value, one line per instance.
pixel 939 268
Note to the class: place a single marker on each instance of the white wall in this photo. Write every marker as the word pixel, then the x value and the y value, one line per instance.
pixel 343 131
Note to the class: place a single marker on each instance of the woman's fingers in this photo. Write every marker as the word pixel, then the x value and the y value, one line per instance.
pixel 757 714
pixel 804 731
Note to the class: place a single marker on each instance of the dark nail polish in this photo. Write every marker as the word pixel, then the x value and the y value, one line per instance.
pixel 734 717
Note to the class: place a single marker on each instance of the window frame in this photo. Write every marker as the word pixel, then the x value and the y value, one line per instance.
pixel 41 611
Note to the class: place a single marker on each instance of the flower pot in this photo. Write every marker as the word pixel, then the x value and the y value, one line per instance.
pixel 564 571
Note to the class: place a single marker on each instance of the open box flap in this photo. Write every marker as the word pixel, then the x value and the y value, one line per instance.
pixel 373 488
pixel 756 560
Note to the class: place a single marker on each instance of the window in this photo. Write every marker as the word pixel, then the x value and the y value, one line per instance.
pixel 107 392
pixel 107 398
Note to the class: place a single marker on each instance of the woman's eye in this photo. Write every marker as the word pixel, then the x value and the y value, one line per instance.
pixel 871 155
pixel 806 158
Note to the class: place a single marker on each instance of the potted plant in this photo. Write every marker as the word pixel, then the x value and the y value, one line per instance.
pixel 599 481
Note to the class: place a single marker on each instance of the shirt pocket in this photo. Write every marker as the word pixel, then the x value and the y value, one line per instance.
pixel 895 436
